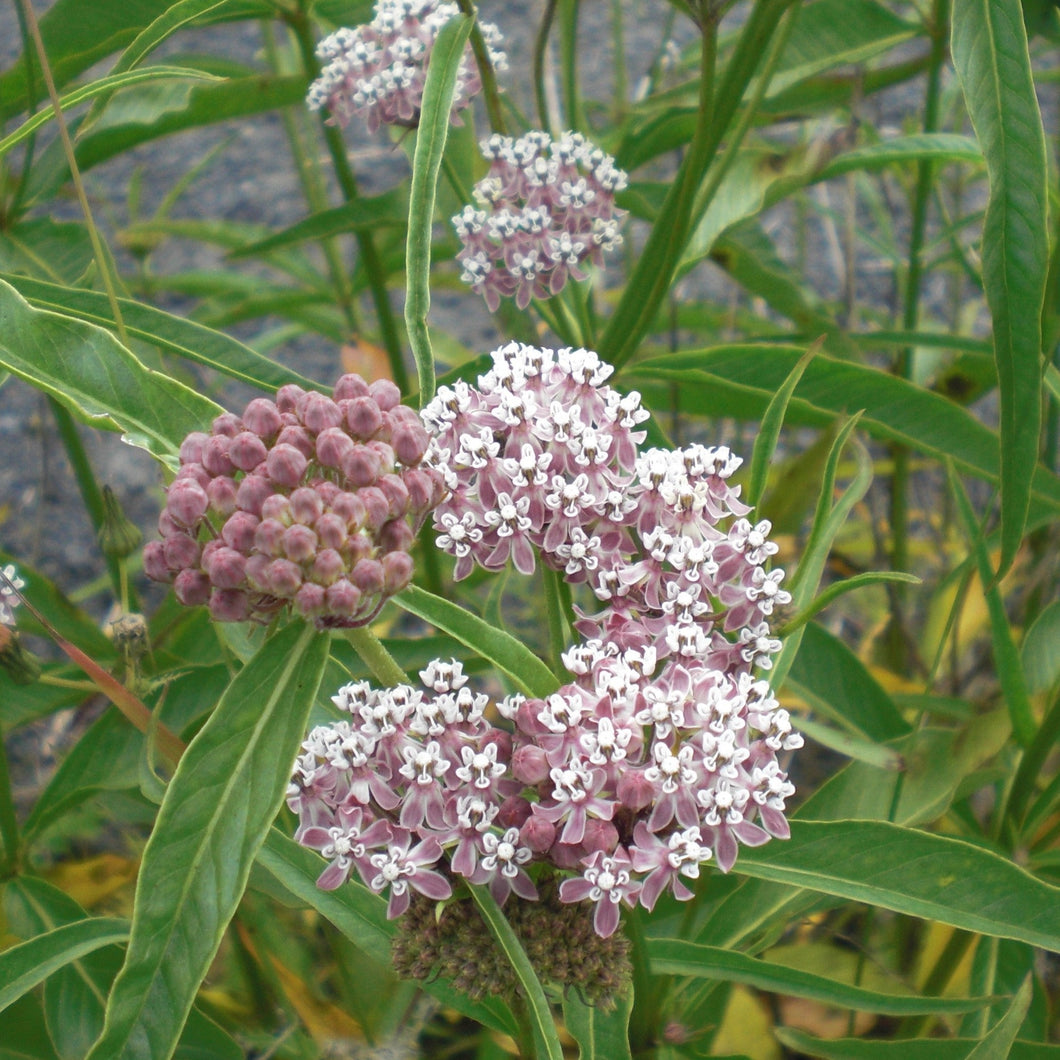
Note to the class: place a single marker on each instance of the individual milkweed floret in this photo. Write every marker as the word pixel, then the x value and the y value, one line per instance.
pixel 378 70
pixel 309 502
pixel 9 600
pixel 542 211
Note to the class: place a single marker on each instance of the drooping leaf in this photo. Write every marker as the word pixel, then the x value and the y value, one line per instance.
pixel 990 54
pixel 215 816
pixel 1040 652
pixel 601 1035
pixel 87 370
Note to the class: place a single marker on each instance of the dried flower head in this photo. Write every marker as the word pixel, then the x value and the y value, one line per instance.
pixel 308 501
pixel 543 210
pixel 378 70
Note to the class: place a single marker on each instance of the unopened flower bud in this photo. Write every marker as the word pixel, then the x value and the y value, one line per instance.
pixel 299 543
pixel 229 605
pixel 192 447
pixel 285 466
pixel 227 425
pixel 155 566
pixel 530 765
pixel 330 530
pixel 328 565
pixel 385 394
pixel 225 567
pixel 311 600
pixel 186 502
pixel 537 834
pixel 343 598
pixel 368 576
pixel 222 492
pixel 363 417
pixel 350 386
pixel 117 536
pixel 247 451
pixel 634 791
pixel 288 396
pixel 599 835
pixel 180 551
pixel 299 438
pixel 192 587
pixel 396 536
pixel 333 446
pixel 306 506
pixel 284 578
pixel 320 413
pixel 514 812
pixel 263 418
pixel 397 572
pixel 215 455
pixel 361 466
pixel 252 493
pixel 239 531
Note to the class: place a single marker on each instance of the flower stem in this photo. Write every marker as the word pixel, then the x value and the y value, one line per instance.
pixel 8 819
pixel 375 656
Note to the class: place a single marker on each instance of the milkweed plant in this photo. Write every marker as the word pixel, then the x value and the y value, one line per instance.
pixel 594 587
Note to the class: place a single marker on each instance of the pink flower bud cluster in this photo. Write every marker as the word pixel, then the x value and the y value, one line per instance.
pixel 626 780
pixel 307 501
pixel 9 600
pixel 378 70
pixel 543 210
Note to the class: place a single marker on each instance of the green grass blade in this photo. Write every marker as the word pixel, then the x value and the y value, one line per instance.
pixel 691 960
pixel 215 816
pixel 989 47
pixel 904 1049
pixel 438 92
pixel 500 648
pixel 24 966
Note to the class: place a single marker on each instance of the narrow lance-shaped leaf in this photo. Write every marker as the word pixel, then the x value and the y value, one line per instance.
pixel 438 92
pixel 218 808
pixel 24 966
pixel 908 871
pixel 86 369
pixel 989 46
pixel 601 1034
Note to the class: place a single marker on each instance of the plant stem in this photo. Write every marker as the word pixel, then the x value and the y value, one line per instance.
pixel 558 621
pixel 572 100
pixel 373 265
pixel 540 51
pixel 8 819
pixel 486 73
pixel 375 656
pixel 103 262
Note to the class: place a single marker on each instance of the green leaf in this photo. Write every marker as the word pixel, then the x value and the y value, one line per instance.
pixel 23 966
pixel 740 380
pixel 989 47
pixel 1006 657
pixel 600 1035
pixel 171 334
pixel 88 371
pixel 930 876
pixel 60 251
pixel 538 1013
pixel 905 1049
pixel 360 915
pixel 1040 653
pixel 832 677
pixel 102 87
pixel 361 214
pixel 688 959
pixel 438 92
pixel 920 147
pixel 841 588
pixel 500 648
pixel 216 814
pixel 169 22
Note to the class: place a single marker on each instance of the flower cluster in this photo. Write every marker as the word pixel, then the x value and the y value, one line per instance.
pixel 543 209
pixel 308 501
pixel 9 584
pixel 378 70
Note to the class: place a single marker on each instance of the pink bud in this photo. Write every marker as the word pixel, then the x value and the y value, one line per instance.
pixel 287 397
pixel 363 417
pixel 320 413
pixel 385 393
pixel 396 493
pixel 327 567
pixel 180 551
pixel 331 530
pixel 222 492
pixel 194 473
pixel 361 466
pixel 566 855
pixel 227 425
pixel 225 567
pixel 386 456
pixel 257 572
pixel 421 486
pixel 514 812
pixel 537 834
pixel 343 599
pixel 247 451
pixel 359 546
pixel 192 587
pixel 262 417
pixel 285 466
pixel 530 765
pixel 410 441
pixel 192 446
pixel 396 536
pixel 284 578
pixel 599 835
pixel 299 438
pixel 376 507
pixel 186 502
pixel 252 492
pixel 350 386
pixel 268 537
pixel 634 791
pixel 310 601
pixel 299 543
pixel 229 605
pixel 239 530
pixel 350 507
pixel 397 572
pixel 333 446
pixel 215 455
pixel 306 506
pixel 277 507
pixel 368 576
pixel 155 566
